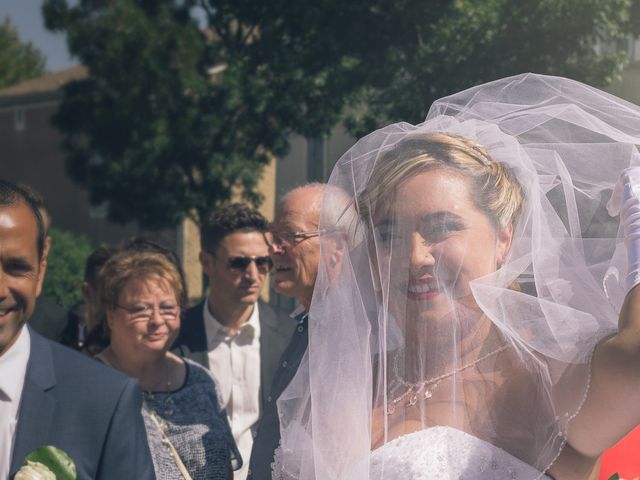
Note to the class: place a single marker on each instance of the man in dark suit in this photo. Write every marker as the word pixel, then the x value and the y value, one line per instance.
pixel 48 317
pixel 295 251
pixel 50 395
pixel 235 335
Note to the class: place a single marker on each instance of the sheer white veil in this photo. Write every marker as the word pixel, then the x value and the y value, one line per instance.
pixel 510 367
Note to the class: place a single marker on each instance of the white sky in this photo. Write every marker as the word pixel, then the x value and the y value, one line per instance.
pixel 26 16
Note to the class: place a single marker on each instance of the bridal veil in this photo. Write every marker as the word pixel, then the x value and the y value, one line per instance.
pixel 507 362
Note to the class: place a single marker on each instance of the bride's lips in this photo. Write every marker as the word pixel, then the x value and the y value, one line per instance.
pixel 425 288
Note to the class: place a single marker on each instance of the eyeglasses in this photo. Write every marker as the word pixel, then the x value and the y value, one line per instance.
pixel 286 239
pixel 263 264
pixel 144 312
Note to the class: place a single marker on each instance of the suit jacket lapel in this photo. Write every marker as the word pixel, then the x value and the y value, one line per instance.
pixel 37 404
pixel 272 343
pixel 192 340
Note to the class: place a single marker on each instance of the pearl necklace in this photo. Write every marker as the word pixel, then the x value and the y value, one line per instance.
pixel 416 388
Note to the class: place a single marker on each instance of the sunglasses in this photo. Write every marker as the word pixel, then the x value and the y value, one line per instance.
pixel 264 264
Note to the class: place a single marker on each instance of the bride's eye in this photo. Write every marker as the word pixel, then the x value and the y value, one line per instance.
pixel 439 231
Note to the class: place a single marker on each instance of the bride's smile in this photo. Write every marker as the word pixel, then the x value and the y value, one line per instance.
pixel 434 240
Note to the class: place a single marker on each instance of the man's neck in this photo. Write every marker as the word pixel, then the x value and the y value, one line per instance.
pixel 232 316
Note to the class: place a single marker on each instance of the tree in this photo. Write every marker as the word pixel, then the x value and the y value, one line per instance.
pixel 18 61
pixel 174 119
pixel 65 267
pixel 486 40
pixel 159 136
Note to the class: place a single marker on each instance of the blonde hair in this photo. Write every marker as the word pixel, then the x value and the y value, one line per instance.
pixel 495 189
pixel 128 265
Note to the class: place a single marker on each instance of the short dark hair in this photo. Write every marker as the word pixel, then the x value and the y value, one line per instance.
pixel 11 195
pixel 230 219
pixel 38 201
pixel 95 262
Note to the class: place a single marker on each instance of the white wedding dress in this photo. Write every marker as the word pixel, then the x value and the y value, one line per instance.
pixel 445 453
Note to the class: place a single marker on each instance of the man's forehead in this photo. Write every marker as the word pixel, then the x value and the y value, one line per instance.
pixel 296 215
pixel 18 229
pixel 247 240
pixel 7 220
pixel 17 215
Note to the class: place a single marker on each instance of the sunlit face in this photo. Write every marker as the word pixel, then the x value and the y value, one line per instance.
pixel 21 271
pixel 431 242
pixel 296 262
pixel 146 318
pixel 237 286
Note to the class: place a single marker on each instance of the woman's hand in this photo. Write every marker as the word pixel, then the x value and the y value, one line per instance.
pixel 612 406
pixel 625 201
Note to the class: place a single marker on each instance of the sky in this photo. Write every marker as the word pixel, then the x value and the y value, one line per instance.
pixel 26 16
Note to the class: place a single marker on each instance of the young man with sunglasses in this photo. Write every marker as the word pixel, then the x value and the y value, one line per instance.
pixel 232 332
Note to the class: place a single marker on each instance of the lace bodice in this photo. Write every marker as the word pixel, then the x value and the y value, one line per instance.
pixel 446 453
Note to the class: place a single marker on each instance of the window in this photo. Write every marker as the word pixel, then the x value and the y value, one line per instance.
pixel 315 160
pixel 20 120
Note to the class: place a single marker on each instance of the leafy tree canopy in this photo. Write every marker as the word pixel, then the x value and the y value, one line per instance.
pixel 480 41
pixel 65 267
pixel 18 61
pixel 175 118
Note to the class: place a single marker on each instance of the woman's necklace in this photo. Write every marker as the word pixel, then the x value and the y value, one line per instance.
pixel 429 385
pixel 167 406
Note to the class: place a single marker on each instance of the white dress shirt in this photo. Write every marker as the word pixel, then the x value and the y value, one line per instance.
pixel 13 367
pixel 234 360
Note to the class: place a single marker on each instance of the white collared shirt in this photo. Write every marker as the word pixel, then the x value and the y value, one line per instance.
pixel 13 368
pixel 297 311
pixel 234 360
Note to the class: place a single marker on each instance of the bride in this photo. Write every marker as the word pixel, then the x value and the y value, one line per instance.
pixel 482 322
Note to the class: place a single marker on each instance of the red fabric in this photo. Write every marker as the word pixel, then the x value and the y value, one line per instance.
pixel 623 458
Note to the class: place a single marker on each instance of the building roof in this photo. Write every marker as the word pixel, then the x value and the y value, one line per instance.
pixel 47 87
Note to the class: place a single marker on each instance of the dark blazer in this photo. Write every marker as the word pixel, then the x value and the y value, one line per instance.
pixel 87 409
pixel 268 432
pixel 276 328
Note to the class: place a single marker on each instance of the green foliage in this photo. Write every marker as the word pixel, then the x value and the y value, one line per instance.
pixel 18 61
pixel 480 41
pixel 174 119
pixel 158 136
pixel 65 267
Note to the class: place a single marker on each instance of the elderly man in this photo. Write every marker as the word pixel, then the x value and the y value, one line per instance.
pixel 50 395
pixel 232 332
pixel 295 250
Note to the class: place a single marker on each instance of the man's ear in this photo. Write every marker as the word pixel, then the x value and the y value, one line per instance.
pixel 334 259
pixel 337 254
pixel 41 274
pixel 47 246
pixel 205 261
